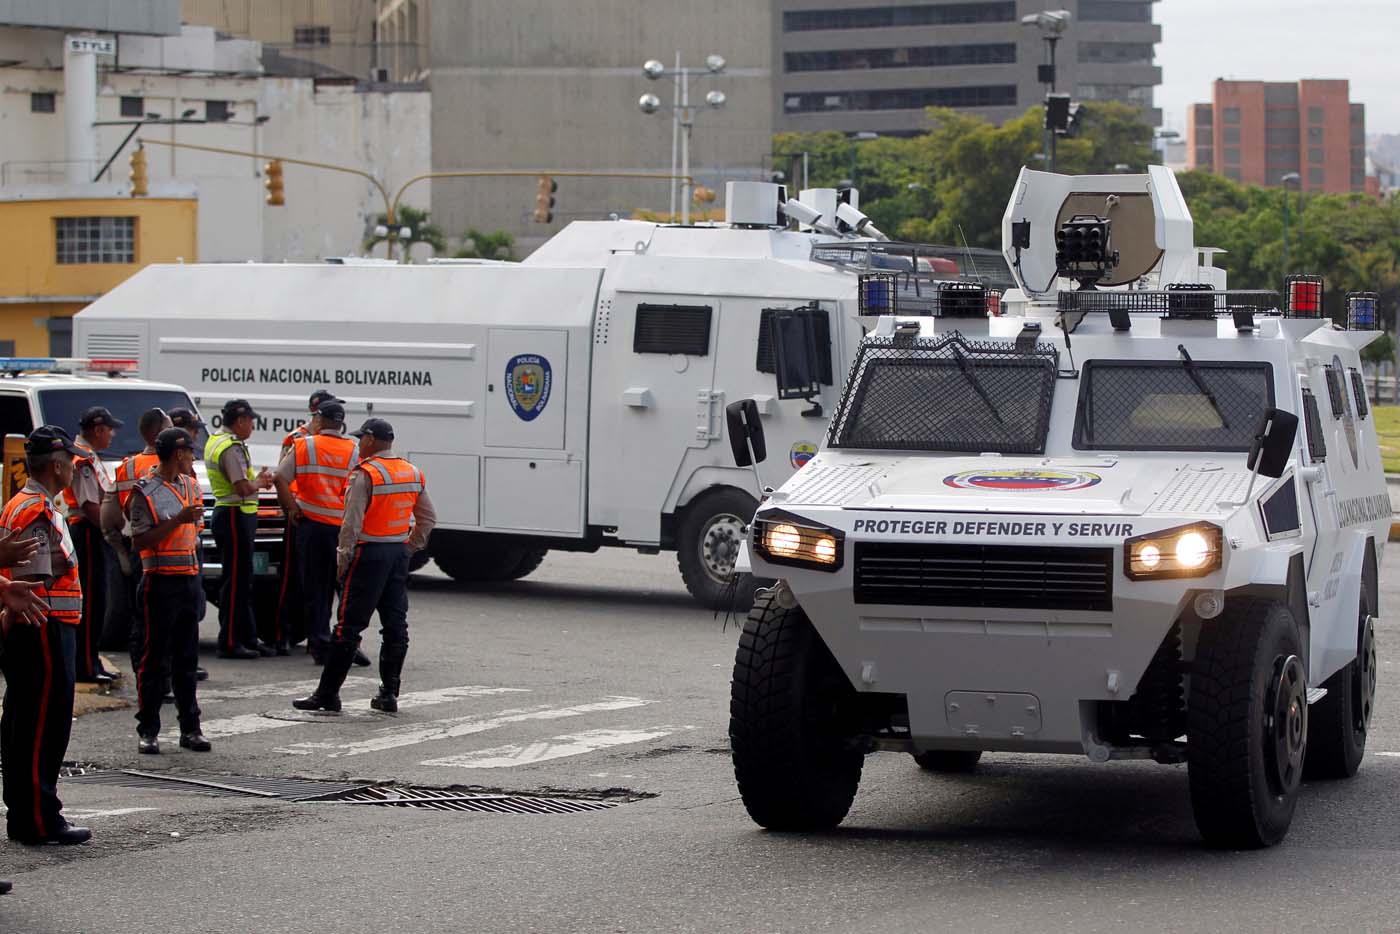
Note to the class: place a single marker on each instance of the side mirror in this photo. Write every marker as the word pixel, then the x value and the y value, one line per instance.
pixel 1273 442
pixel 745 433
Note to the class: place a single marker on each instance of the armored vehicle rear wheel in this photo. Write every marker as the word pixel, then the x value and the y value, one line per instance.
pixel 474 558
pixel 1247 727
pixel 795 768
pixel 948 760
pixel 1338 724
pixel 707 544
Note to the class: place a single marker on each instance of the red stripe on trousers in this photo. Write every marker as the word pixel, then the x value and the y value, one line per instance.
pixel 39 728
pixel 345 592
pixel 87 666
pixel 146 636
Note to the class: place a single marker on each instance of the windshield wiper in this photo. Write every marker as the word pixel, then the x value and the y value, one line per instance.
pixel 975 383
pixel 1190 366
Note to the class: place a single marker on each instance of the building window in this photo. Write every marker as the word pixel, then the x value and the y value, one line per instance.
pixel 902 99
pixel 1233 175
pixel 1116 53
pixel 1230 115
pixel 1315 177
pixel 1314 134
pixel 1315 156
pixel 1358 179
pixel 42 102
pixel 1232 136
pixel 133 107
pixel 1115 11
pixel 1140 95
pixel 96 239
pixel 928 56
pixel 217 111
pixel 1314 114
pixel 60 337
pixel 1358 135
pixel 1232 157
pixel 1204 158
pixel 947 14
pixel 1282 158
pixel 311 35
pixel 1205 135
pixel 1281 117
pixel 1277 94
pixel 1281 136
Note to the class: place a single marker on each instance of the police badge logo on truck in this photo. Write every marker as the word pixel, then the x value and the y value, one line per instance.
pixel 1016 481
pixel 528 382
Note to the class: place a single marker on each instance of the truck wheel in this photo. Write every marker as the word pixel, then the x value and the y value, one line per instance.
pixel 1247 725
pixel 1337 724
pixel 478 559
pixel 796 770
pixel 707 545
pixel 948 760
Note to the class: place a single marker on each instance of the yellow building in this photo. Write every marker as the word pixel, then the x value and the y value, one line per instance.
pixel 61 253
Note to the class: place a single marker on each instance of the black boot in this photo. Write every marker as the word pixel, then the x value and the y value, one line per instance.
pixel 339 658
pixel 391 657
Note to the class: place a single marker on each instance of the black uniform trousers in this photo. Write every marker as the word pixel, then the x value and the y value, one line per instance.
pixel 233 534
pixel 92 574
pixel 316 546
pixel 131 583
pixel 170 649
pixel 377 580
pixel 289 625
pixel 38 665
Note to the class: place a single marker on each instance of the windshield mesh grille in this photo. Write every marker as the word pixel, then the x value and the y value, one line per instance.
pixel 946 394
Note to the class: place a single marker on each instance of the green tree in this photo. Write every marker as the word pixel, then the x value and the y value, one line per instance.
pixel 416 220
pixel 498 244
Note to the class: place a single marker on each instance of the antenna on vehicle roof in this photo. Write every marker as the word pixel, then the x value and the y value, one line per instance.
pixel 968 250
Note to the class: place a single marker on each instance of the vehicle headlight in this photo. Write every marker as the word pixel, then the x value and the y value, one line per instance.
pixel 1186 551
pixel 787 540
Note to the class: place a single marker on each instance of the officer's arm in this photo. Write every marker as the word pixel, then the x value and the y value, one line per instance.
pixel 235 468
pixel 282 480
pixel 356 498
pixel 424 518
pixel 89 494
pixel 113 522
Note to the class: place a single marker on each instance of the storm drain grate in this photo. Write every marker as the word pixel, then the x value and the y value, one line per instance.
pixel 285 789
pixel 435 800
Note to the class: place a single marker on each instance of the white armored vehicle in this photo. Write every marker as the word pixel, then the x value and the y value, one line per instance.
pixel 1137 519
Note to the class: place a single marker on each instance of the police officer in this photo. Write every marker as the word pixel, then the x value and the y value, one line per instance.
pixel 191 423
pixel 38 657
pixel 289 626
pixel 132 468
pixel 310 481
pixel 84 498
pixel 166 510
pixel 388 516
pixel 235 522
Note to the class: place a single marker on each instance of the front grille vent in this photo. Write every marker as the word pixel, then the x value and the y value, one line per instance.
pixel 993 576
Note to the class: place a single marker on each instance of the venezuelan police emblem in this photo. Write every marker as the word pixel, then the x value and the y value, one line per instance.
pixel 801 453
pixel 528 379
pixel 1022 480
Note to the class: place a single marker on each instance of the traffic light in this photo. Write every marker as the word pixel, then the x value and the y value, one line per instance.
pixel 273 184
pixel 140 182
pixel 544 199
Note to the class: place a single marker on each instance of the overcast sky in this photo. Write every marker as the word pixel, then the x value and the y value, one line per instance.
pixel 1281 40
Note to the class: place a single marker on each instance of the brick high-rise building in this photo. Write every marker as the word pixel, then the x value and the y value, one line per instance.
pixel 1258 132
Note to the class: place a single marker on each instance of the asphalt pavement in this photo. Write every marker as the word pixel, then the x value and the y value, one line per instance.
pixel 598 679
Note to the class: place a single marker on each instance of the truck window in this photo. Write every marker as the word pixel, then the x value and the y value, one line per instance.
pixel 821 320
pixel 947 394
pixel 682 329
pixel 14 414
pixel 1171 405
pixel 63 407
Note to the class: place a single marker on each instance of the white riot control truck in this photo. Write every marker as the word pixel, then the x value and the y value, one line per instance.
pixel 572 401
pixel 1137 519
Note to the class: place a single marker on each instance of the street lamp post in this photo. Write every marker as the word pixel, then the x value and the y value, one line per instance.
pixel 682 118
pixel 1052 24
pixel 1163 136
pixel 1286 180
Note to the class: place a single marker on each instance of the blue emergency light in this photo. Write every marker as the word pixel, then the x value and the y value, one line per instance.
pixel 28 364
pixel 1361 311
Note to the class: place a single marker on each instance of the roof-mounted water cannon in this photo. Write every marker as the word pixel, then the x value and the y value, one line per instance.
pixel 858 222
pixel 807 216
pixel 1083 249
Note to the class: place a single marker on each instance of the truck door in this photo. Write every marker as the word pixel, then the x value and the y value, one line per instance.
pixel 15 425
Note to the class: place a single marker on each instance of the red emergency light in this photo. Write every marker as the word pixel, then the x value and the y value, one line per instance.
pixel 112 366
pixel 1303 297
pixel 993 304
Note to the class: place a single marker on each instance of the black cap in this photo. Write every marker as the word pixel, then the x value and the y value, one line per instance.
pixel 376 428
pixel 184 418
pixel 97 416
pixel 47 439
pixel 319 396
pixel 332 410
pixel 236 409
pixel 171 440
pixel 150 420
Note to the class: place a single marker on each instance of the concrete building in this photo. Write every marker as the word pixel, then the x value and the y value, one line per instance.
pixel 1259 132
pixel 333 36
pixel 539 84
pixel 875 65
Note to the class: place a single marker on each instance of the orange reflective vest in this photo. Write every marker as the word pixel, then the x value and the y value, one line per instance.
pixel 395 487
pixel 89 456
pixel 178 553
pixel 64 594
pixel 300 431
pixel 323 464
pixel 130 471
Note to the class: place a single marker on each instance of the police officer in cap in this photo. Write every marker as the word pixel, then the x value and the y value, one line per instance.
pixel 84 499
pixel 39 647
pixel 388 517
pixel 166 512
pixel 289 626
pixel 235 522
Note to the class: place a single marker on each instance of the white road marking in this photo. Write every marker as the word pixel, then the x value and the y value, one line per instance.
pixel 451 728
pixel 274 689
pixel 560 747
pixel 76 814
pixel 1395 755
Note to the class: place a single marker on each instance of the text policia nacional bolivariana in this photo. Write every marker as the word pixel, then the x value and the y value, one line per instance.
pixel 316 377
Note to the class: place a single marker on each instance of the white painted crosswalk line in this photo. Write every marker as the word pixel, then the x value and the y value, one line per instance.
pixel 257 722
pixel 454 727
pixel 275 689
pixel 559 747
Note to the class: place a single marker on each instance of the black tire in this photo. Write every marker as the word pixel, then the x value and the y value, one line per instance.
pixel 1338 724
pixel 480 559
pixel 796 771
pixel 948 760
pixel 1247 725
pixel 707 543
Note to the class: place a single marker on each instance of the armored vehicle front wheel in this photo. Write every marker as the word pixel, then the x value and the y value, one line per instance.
pixel 948 760
pixel 1338 724
pixel 795 767
pixel 708 537
pixel 1247 730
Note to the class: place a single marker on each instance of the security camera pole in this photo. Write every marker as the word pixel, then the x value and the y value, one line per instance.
pixel 682 118
pixel 1052 24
